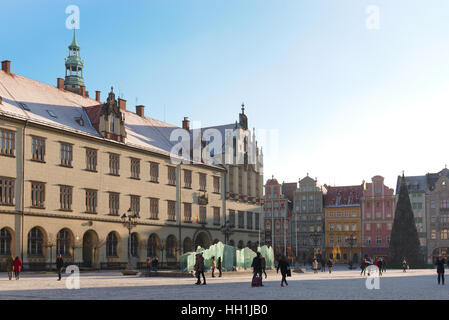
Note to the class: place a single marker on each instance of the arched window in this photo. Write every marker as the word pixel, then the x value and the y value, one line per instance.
pixel 152 247
pixel 134 245
pixel 35 242
pixel 5 242
pixel 171 247
pixel 63 243
pixel 111 245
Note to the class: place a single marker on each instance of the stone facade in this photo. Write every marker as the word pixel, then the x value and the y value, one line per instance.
pixel 309 219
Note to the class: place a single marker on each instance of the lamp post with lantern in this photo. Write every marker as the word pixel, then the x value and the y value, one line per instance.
pixel 129 221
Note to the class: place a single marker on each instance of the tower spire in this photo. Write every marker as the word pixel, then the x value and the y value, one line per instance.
pixel 74 65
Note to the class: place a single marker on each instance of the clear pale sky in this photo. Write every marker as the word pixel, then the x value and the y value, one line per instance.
pixel 348 102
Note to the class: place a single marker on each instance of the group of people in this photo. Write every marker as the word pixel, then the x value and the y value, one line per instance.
pixel 379 262
pixel 323 263
pixel 199 267
pixel 152 265
pixel 13 266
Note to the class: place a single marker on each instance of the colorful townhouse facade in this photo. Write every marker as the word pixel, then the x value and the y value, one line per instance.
pixel 378 207
pixel 343 222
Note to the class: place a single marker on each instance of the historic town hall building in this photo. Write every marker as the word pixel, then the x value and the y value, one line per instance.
pixel 71 166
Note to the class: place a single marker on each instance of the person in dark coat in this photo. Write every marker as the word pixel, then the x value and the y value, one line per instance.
pixel 379 266
pixel 363 267
pixel 219 266
pixel 284 266
pixel 323 265
pixel 10 266
pixel 59 266
pixel 257 267
pixel 384 265
pixel 155 263
pixel 199 268
pixel 440 268
pixel 148 266
pixel 329 265
pixel 17 267
pixel 264 265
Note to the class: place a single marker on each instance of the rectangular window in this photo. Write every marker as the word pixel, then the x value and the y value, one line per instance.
pixel 203 215
pixel 331 240
pixel 354 227
pixel 433 234
pixel 378 240
pixel 171 210
pixel 432 204
pixel 135 205
pixel 338 227
pixel 135 168
pixel 91 201
pixel 114 203
pixel 331 227
pixel 114 164
pixel 346 227
pixel 38 149
pixel 7 142
pixel 388 239
pixel 368 227
pixel 187 179
pixel 444 204
pixel 232 218
pixel 241 217
pixel 66 154
pixel 339 240
pixel 154 208
pixel 38 195
pixel 202 181
pixel 154 171
pixel 7 191
pixel 378 227
pixel 249 220
pixel 91 159
pixel 368 240
pixel 216 216
pixel 187 212
pixel 65 197
pixel 171 176
pixel 389 226
pixel 444 234
pixel 217 184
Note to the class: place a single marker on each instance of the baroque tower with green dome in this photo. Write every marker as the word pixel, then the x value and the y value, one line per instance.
pixel 74 81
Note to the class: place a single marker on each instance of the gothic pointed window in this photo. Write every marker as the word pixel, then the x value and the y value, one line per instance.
pixel 111 123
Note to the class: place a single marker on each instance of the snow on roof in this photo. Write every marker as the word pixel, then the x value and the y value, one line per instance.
pixel 33 100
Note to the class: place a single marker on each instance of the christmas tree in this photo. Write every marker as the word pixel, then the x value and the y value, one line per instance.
pixel 404 241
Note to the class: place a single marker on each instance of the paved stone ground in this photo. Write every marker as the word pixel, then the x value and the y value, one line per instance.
pixel 340 285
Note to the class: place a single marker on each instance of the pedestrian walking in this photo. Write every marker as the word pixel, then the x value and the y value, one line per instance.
pixel 264 265
pixel 315 266
pixel 384 265
pixel 363 267
pixel 329 265
pixel 379 266
pixel 148 266
pixel 212 266
pixel 10 266
pixel 59 266
pixel 155 264
pixel 404 265
pixel 17 267
pixel 285 268
pixel 440 268
pixel 199 268
pixel 219 266
pixel 323 265
pixel 257 270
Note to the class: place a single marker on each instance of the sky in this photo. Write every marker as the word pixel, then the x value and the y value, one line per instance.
pixel 344 90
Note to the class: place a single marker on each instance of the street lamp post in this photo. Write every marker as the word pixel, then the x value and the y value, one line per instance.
pixel 315 237
pixel 351 240
pixel 129 221
pixel 226 229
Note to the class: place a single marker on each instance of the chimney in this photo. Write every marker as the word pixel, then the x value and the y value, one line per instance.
pixel 186 123
pixel 60 83
pixel 97 96
pixel 122 104
pixel 6 66
pixel 83 91
pixel 140 111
